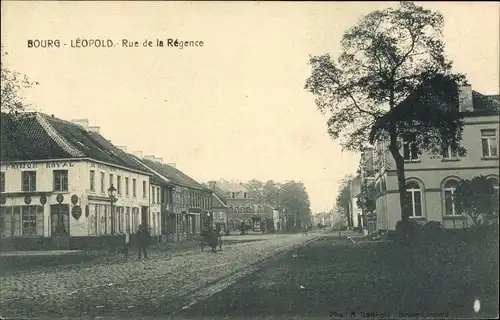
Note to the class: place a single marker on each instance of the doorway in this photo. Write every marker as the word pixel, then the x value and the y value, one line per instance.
pixel 144 216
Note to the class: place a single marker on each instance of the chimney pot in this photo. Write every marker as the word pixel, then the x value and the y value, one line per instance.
pixel 84 123
pixel 138 154
pixel 150 157
pixel 122 148
pixel 94 129
pixel 160 160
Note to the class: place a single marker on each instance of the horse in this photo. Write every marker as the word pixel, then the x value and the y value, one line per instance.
pixel 211 238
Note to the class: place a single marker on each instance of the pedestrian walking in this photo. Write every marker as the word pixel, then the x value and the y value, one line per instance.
pixel 143 240
pixel 221 233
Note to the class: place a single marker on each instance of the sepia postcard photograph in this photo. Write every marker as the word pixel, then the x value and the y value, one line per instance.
pixel 249 160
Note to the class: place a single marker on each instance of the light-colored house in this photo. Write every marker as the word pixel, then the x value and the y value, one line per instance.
pixel 430 180
pixel 55 183
pixel 354 210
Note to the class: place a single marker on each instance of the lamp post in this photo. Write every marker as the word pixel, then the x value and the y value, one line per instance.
pixel 112 200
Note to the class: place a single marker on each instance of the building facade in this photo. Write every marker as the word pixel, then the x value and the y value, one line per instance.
pixel 220 210
pixel 241 206
pixel 367 180
pixel 431 180
pixel 354 210
pixel 56 178
pixel 185 205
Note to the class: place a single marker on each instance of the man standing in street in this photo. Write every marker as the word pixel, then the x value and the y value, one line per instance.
pixel 143 240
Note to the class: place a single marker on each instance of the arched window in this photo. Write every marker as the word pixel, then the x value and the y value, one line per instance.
pixel 414 194
pixel 236 209
pixel 242 209
pixel 449 190
pixel 231 209
pixel 496 200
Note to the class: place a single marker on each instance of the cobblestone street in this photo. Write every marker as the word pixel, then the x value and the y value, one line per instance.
pixel 159 285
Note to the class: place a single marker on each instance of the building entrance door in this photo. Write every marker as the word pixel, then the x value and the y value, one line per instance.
pixel 59 214
pixel 144 216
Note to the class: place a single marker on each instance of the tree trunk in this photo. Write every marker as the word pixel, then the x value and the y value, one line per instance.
pixel 400 172
pixel 400 168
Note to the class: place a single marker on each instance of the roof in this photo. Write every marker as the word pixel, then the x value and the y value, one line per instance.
pixel 411 108
pixel 226 186
pixel 217 202
pixel 25 139
pixel 156 176
pixel 37 136
pixel 485 102
pixel 221 195
pixel 173 174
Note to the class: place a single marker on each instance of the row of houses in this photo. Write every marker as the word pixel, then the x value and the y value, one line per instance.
pixel 431 180
pixel 62 184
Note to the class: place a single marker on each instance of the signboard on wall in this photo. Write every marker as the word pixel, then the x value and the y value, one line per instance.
pixel 102 166
pixel 38 165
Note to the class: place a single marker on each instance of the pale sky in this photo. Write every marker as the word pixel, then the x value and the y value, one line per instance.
pixel 234 109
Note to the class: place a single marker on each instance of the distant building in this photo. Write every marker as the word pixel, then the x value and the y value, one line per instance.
pixel 354 210
pixel 241 206
pixel 431 180
pixel 220 210
pixel 367 177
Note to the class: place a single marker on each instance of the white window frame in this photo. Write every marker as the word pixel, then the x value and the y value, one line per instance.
pixel 127 193
pixel 413 203
pixel 31 175
pixel 61 177
pixel 450 153
pixel 92 180
pixel 103 182
pixel 413 158
pixel 119 185
pixel 491 140
pixel 452 190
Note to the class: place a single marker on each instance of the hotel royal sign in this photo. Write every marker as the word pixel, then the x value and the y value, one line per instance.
pixel 37 165
pixel 52 165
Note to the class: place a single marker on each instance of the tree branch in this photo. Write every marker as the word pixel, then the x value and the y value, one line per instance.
pixel 351 96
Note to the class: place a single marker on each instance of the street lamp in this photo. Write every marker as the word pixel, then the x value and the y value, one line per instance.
pixel 112 199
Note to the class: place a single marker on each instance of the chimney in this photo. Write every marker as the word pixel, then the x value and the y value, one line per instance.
pixel 122 148
pixel 94 129
pixel 84 123
pixel 138 154
pixel 160 160
pixel 172 165
pixel 211 184
pixel 152 158
pixel 465 99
